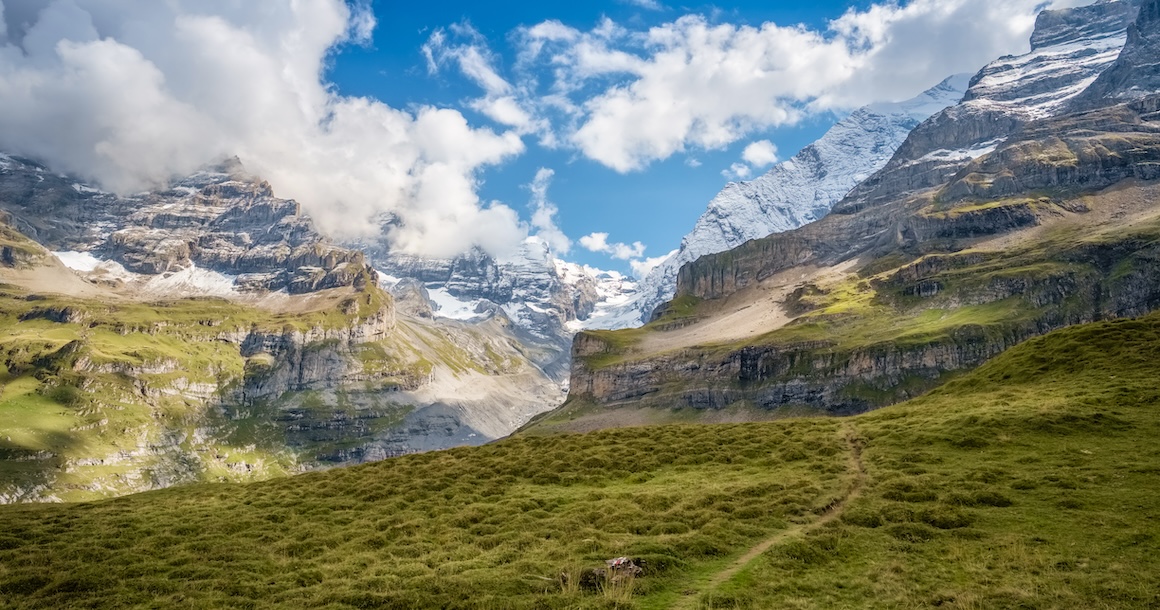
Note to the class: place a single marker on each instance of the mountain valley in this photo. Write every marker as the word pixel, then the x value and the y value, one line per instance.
pixel 912 366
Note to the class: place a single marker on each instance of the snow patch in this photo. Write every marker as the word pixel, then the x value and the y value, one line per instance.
pixel 78 261
pixel 388 281
pixel 86 190
pixel 968 154
pixel 192 281
pixel 448 306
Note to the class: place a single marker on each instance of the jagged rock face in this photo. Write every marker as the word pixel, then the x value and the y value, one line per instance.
pixel 1066 154
pixel 1136 72
pixel 1086 151
pixel 794 193
pixel 218 219
pixel 412 298
pixel 1070 48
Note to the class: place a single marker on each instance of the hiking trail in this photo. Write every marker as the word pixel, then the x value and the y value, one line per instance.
pixel 831 512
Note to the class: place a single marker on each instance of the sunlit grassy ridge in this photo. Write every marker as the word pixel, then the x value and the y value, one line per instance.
pixel 1032 482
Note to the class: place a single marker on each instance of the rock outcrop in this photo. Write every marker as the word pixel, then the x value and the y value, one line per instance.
pixel 219 219
pixel 1135 73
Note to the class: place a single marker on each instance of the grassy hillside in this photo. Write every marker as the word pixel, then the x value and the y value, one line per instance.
pixel 1032 482
pixel 107 398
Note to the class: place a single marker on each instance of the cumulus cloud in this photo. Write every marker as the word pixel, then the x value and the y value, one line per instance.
pixel 760 154
pixel 641 268
pixel 544 213
pixel 737 171
pixel 598 242
pixel 626 98
pixel 756 155
pixel 129 95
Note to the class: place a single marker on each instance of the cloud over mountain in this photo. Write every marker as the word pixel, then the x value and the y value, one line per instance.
pixel 131 94
pixel 627 97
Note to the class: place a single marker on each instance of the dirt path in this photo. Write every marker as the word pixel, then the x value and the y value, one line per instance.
pixel 828 514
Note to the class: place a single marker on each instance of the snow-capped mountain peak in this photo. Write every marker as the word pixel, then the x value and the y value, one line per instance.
pixel 791 194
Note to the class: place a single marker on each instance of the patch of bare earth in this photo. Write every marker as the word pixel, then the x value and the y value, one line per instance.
pixel 746 314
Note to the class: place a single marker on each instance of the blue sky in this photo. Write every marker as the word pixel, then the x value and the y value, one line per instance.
pixel 655 206
pixel 424 123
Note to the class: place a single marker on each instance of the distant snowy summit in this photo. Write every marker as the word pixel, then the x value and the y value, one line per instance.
pixel 545 299
pixel 791 194
pixel 1070 49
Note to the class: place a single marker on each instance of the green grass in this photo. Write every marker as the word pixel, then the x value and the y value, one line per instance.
pixel 1031 482
pixel 120 397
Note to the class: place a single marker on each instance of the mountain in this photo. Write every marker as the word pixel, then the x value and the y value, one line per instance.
pixel 206 331
pixel 791 194
pixel 934 265
pixel 1070 49
pixel 544 298
pixel 219 227
pixel 1134 73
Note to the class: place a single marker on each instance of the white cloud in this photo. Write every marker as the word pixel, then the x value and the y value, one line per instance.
pixel 693 162
pixel 131 94
pixel 648 5
pixel 641 268
pixel 737 171
pixel 544 213
pixel 627 98
pixel 598 242
pixel 506 104
pixel 756 155
pixel 362 21
pixel 760 154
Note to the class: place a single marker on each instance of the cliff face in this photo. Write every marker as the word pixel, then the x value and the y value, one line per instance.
pixel 880 337
pixel 111 396
pixel 1070 48
pixel 1135 73
pixel 908 281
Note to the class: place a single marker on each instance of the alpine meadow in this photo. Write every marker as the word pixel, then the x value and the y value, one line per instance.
pixel 276 330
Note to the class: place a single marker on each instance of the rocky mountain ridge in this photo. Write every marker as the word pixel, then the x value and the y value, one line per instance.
pixel 545 299
pixel 791 194
pixel 1070 49
pixel 905 283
